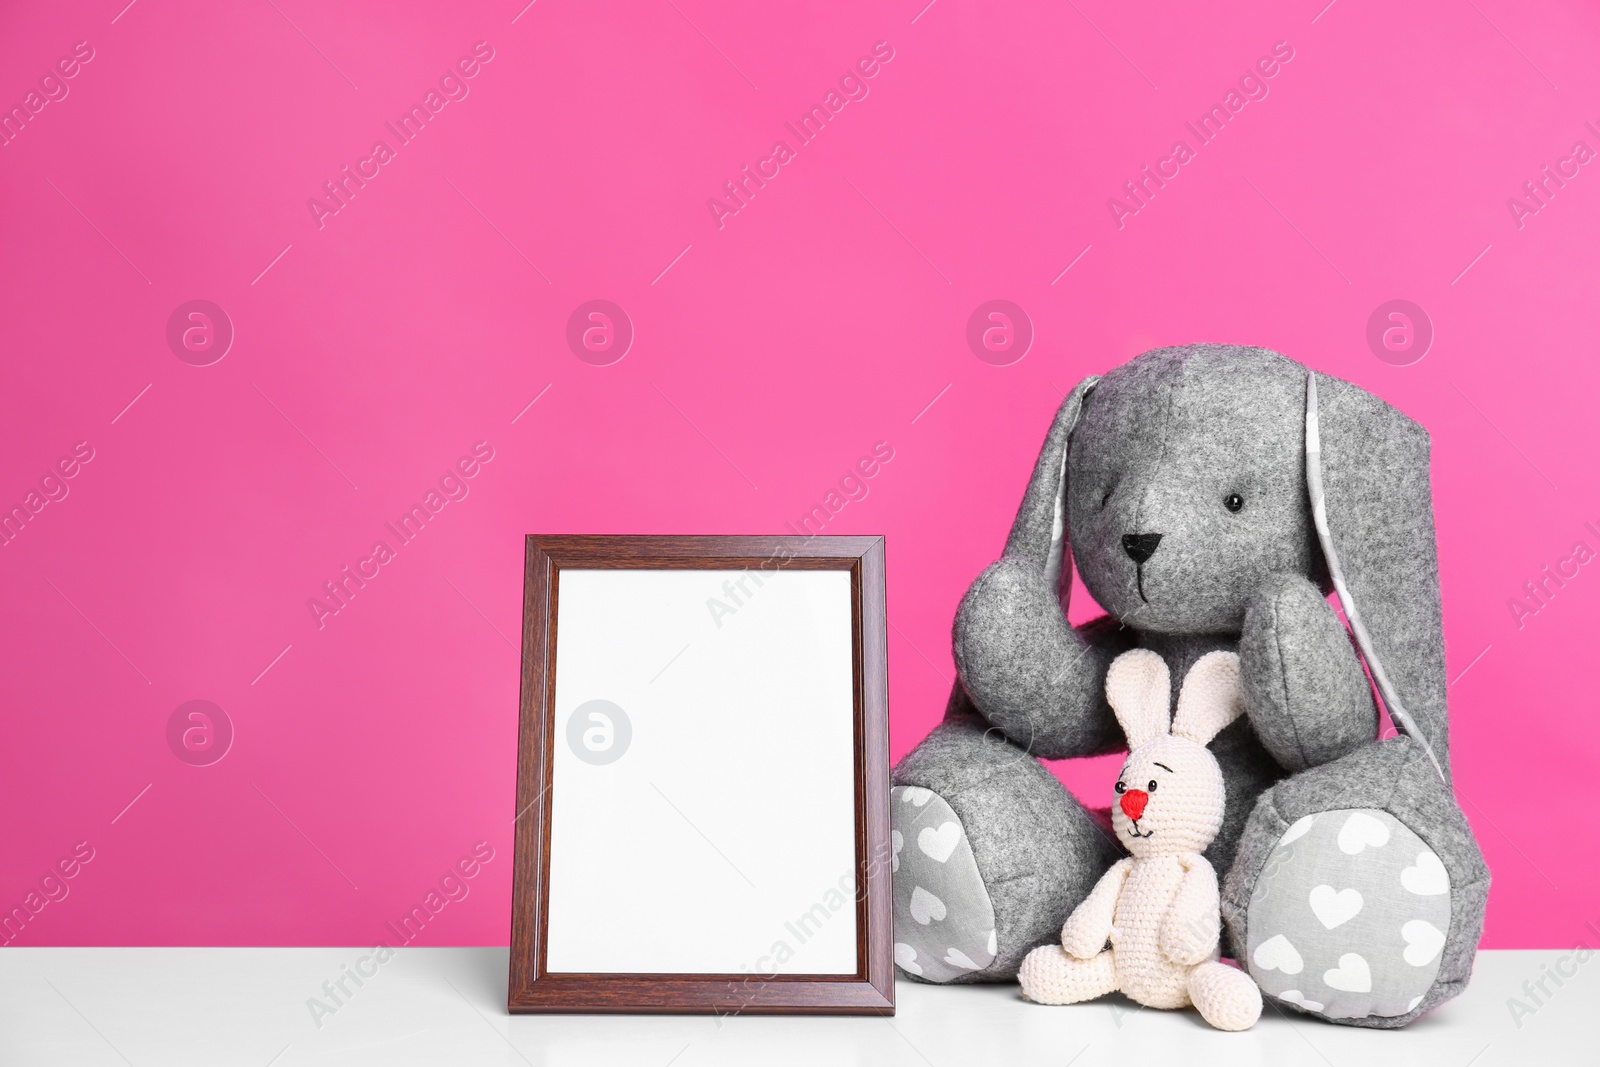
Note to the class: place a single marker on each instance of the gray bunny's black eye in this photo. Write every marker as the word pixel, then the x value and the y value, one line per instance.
pixel 1233 501
pixel 1106 498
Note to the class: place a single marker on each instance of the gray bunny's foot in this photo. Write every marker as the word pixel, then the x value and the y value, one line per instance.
pixel 944 921
pixel 1358 891
pixel 991 855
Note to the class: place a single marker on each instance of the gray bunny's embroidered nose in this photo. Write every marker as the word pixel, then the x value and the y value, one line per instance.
pixel 1140 546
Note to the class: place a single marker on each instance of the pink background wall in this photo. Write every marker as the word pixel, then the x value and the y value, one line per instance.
pixel 370 353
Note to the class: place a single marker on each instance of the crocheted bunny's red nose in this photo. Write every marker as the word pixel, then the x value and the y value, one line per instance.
pixel 1133 802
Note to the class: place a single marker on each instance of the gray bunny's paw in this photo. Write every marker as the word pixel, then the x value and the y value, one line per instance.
pixel 944 923
pixel 1009 619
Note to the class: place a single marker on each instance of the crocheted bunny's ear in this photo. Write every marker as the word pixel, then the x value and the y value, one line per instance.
pixel 1139 690
pixel 1211 698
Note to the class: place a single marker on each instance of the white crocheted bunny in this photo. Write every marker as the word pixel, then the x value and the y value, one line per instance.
pixel 1158 908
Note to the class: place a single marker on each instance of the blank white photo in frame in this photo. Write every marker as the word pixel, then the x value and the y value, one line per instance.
pixel 702 808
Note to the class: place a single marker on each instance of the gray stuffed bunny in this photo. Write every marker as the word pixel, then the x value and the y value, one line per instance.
pixel 1211 496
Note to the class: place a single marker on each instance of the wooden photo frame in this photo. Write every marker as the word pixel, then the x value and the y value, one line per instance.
pixel 704 828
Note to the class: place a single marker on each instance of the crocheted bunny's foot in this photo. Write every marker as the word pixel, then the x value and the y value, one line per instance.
pixel 1358 892
pixel 1225 996
pixel 1049 975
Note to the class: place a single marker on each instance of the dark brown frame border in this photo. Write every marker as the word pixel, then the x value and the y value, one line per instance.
pixel 870 991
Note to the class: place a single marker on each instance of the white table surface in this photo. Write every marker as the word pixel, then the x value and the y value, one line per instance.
pixel 247 1007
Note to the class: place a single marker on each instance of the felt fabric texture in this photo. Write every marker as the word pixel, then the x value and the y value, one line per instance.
pixel 1156 446
pixel 1020 661
pixel 1379 506
pixel 1303 660
pixel 1036 848
pixel 1328 933
pixel 1039 531
pixel 1162 443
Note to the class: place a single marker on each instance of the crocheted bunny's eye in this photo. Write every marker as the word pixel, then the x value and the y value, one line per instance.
pixel 1152 788
pixel 1120 787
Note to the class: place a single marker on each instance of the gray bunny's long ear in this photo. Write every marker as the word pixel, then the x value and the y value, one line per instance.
pixel 1039 533
pixel 1372 504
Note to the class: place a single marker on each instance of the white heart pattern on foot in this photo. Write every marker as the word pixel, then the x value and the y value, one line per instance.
pixel 1361 830
pixel 1352 975
pixel 1423 942
pixel 944 921
pixel 956 958
pixel 925 907
pixel 1428 878
pixel 1277 954
pixel 1294 996
pixel 1334 908
pixel 1352 916
pixel 938 844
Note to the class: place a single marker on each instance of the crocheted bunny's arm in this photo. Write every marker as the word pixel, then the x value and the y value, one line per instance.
pixel 1087 929
pixel 1193 923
